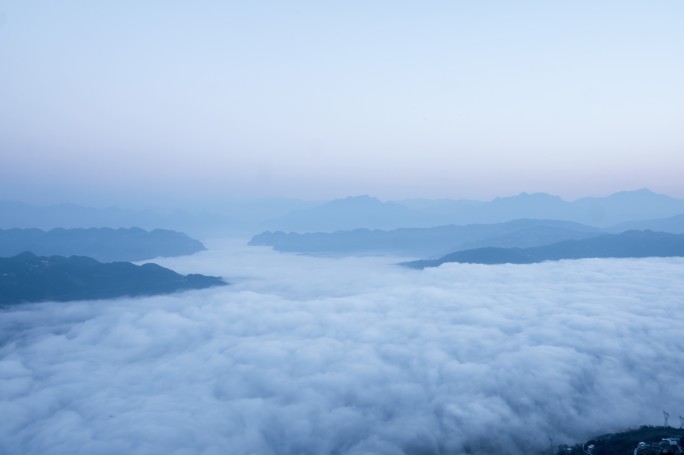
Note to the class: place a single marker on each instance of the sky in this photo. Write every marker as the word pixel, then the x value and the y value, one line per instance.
pixel 129 101
pixel 348 355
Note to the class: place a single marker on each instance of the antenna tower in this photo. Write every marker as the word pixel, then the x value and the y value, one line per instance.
pixel 666 416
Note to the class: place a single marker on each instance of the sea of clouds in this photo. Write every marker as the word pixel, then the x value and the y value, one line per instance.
pixel 306 355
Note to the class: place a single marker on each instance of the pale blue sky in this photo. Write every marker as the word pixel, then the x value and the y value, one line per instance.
pixel 316 99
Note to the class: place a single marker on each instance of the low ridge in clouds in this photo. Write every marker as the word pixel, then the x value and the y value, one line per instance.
pixel 353 355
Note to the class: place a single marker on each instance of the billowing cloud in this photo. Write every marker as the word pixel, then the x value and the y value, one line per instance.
pixel 353 355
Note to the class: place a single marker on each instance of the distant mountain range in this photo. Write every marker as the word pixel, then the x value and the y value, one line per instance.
pixel 595 211
pixel 370 213
pixel 441 240
pixel 234 217
pixel 251 216
pixel 30 278
pixel 280 214
pixel 674 225
pixel 103 244
pixel 21 215
pixel 428 241
pixel 630 244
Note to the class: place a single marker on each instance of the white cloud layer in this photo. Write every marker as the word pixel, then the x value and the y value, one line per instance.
pixel 308 355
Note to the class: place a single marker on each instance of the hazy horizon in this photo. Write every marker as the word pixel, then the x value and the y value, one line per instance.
pixel 156 101
pixel 245 201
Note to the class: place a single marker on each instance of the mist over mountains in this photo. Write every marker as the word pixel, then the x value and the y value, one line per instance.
pixel 551 220
pixel 230 217
pixel 336 353
pixel 370 213
pixel 674 224
pixel 102 244
pixel 207 209
pixel 249 217
pixel 427 241
pixel 347 355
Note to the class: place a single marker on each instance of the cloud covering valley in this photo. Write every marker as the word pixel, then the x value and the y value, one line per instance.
pixel 310 355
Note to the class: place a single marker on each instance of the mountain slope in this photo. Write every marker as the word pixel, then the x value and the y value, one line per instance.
pixel 674 225
pixel 427 241
pixel 30 278
pixel 630 244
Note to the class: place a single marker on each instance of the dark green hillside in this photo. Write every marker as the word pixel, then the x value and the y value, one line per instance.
pixel 30 278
